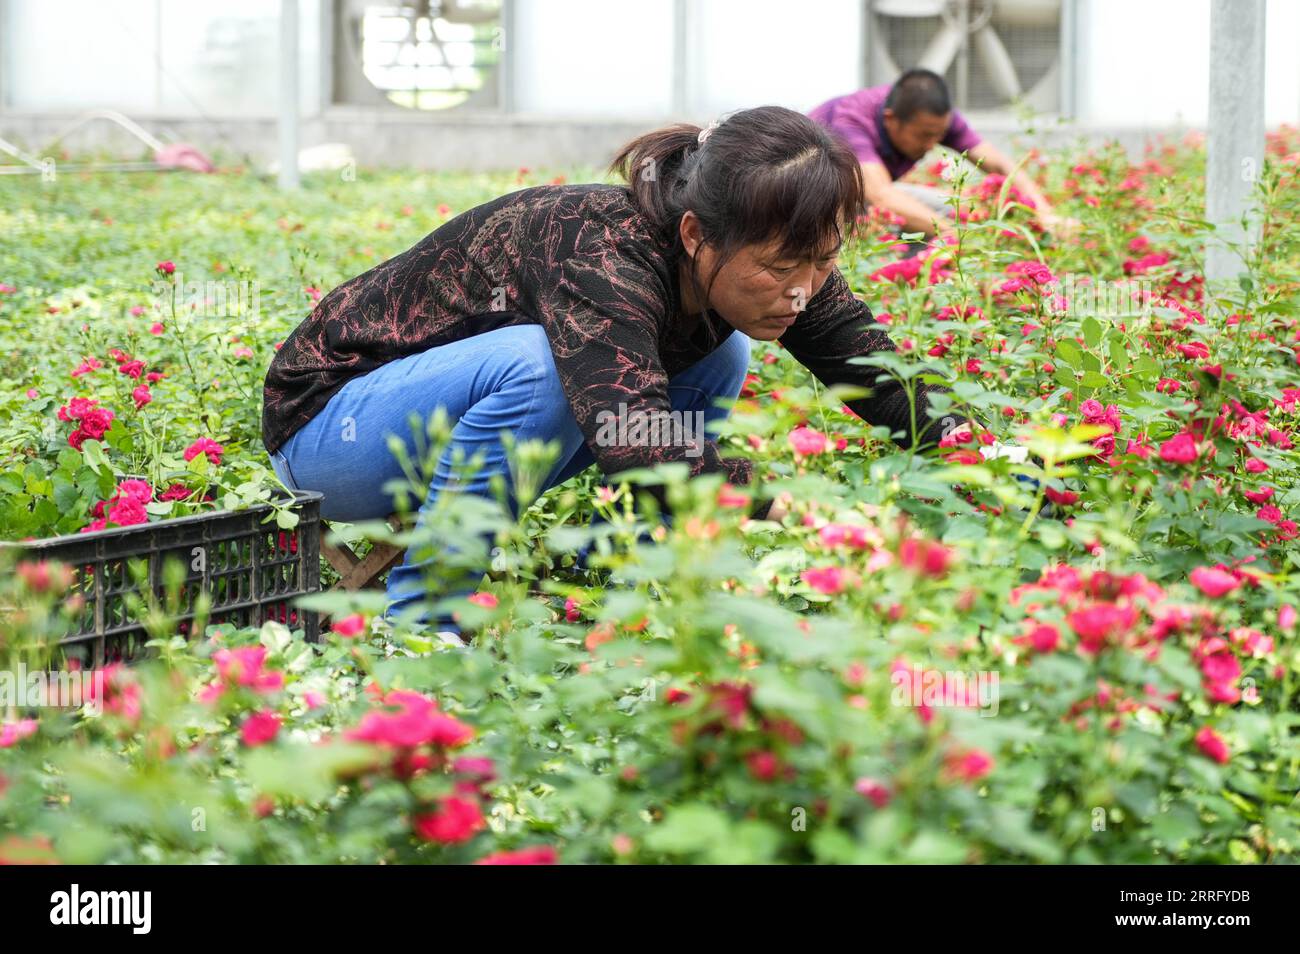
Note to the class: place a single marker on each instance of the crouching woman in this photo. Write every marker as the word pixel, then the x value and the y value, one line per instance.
pixel 552 310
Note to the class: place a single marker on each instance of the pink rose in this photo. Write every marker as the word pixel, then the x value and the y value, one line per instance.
pixel 1212 745
pixel 828 580
pixel 350 626
pixel 260 728
pixel 1180 449
pixel 205 445
pixel 1213 582
pixel 807 441
pixel 455 820
pixel 874 791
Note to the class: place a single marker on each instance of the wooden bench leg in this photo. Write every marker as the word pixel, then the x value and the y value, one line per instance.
pixel 360 573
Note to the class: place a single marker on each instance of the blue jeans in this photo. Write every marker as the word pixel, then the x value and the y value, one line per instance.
pixel 503 380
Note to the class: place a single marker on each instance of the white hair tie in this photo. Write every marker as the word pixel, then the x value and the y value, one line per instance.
pixel 707 131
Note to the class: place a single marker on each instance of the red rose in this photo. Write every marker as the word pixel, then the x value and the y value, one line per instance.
pixel 875 791
pixel 416 722
pixel 1212 745
pixel 763 765
pixel 127 512
pixel 807 441
pixel 260 728
pixel 969 766
pixel 827 580
pixel 925 557
pixel 1213 582
pixel 1063 498
pixel 350 626
pixel 1180 449
pixel 205 445
pixel 540 855
pixel 455 820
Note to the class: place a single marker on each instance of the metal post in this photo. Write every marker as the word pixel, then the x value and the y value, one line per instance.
pixel 681 53
pixel 329 50
pixel 866 61
pixel 1234 153
pixel 869 24
pixel 288 94
pixel 506 60
pixel 1068 89
pixel 4 54
pixel 963 55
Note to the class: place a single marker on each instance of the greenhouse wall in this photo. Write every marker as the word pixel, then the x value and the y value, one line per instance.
pixel 572 79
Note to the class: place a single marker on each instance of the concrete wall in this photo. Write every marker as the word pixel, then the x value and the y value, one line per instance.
pixel 580 89
pixel 399 139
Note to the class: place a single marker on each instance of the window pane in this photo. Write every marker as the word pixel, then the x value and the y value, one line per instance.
pixel 79 54
pixel 593 57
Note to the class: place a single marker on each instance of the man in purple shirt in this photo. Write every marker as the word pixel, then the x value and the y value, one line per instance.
pixel 891 128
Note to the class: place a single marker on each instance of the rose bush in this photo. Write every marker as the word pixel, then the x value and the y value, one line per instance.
pixel 1082 654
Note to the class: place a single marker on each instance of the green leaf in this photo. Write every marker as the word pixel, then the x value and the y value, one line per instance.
pixel 931 846
pixel 275 636
pixel 119 437
pixel 1009 828
pixel 1242 853
pixel 1176 827
pixel 12 482
pixel 65 493
pixel 1119 358
pixel 1092 332
pixel 689 829
pixel 93 453
pixel 1145 366
pixel 750 843
pixel 304 771
pixel 1069 352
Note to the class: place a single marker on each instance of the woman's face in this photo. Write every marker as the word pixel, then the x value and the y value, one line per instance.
pixel 757 292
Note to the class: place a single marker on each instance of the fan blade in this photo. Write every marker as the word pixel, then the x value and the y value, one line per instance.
pixel 908 8
pixel 1000 69
pixel 884 69
pixel 941 50
pixel 1028 13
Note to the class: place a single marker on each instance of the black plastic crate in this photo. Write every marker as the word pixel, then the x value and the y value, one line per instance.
pixel 251 571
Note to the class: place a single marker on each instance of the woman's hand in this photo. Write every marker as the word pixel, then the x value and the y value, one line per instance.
pixel 778 512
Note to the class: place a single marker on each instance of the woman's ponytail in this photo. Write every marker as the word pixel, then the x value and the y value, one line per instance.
pixel 652 164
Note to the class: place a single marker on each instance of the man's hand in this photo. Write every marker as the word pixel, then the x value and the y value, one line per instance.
pixel 881 193
pixel 1058 226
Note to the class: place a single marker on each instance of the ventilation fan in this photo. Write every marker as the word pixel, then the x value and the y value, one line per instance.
pixel 1013 47
pixel 429 54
